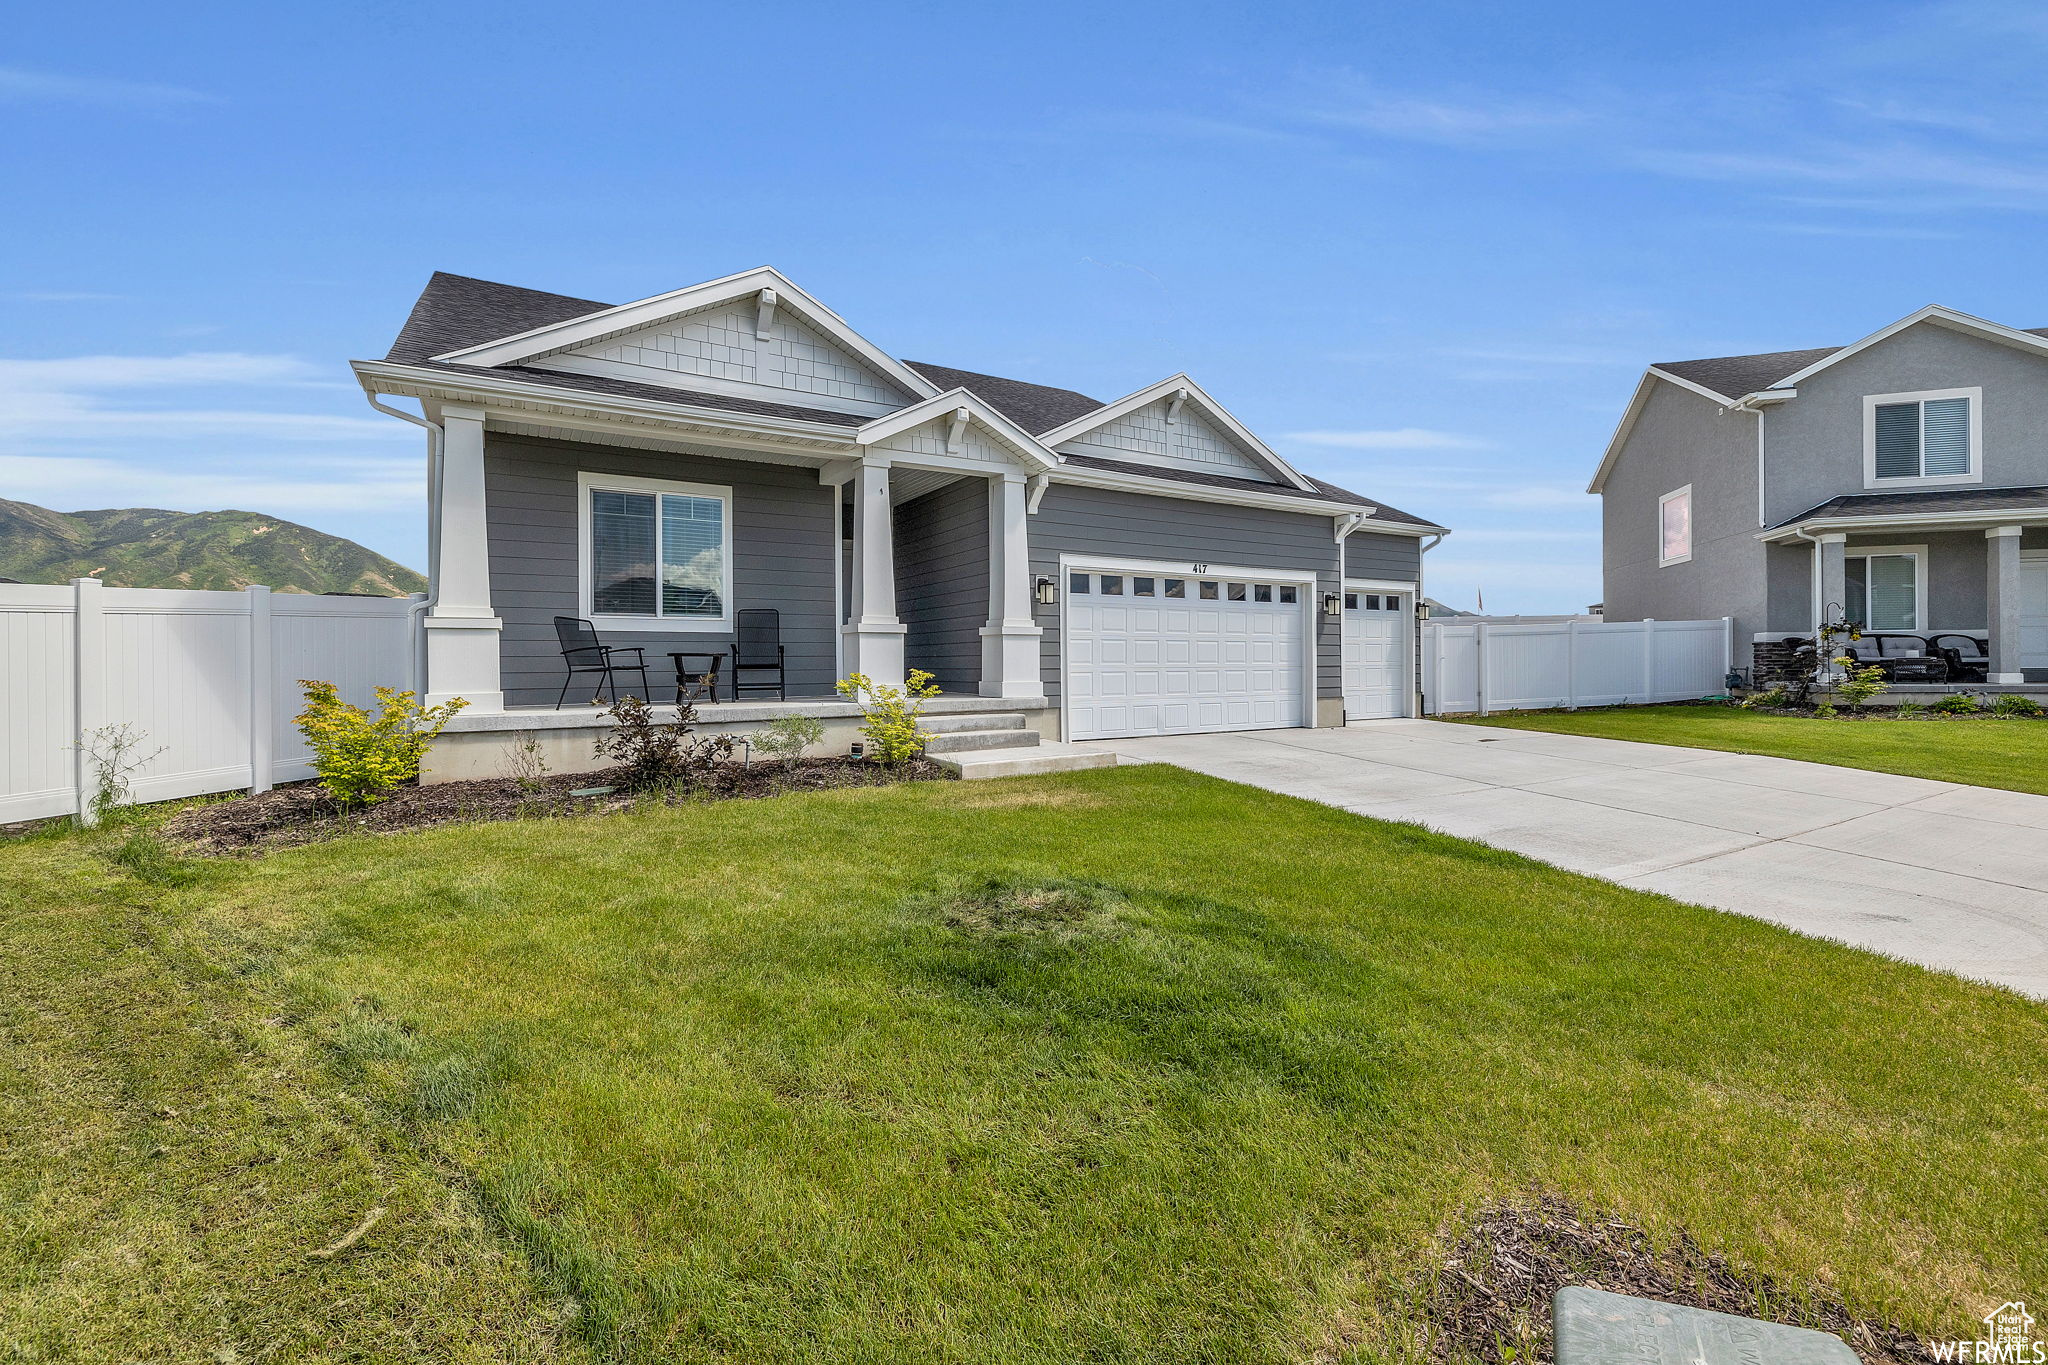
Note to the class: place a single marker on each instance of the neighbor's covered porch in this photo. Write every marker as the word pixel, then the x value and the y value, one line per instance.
pixel 1968 592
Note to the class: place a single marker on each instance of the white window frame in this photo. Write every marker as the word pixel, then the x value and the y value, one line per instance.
pixel 588 482
pixel 1664 562
pixel 1920 608
pixel 1873 401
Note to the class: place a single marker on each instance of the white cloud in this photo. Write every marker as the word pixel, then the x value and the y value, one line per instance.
pixel 22 86
pixel 1346 101
pixel 75 398
pixel 1400 438
pixel 1539 495
pixel 365 485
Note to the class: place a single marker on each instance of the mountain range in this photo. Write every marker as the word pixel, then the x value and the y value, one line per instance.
pixel 148 547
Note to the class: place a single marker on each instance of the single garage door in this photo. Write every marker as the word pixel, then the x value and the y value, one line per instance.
pixel 1175 654
pixel 1376 626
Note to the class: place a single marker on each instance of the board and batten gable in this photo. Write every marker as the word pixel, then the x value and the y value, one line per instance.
pixel 782 550
pixel 1076 519
pixel 1682 439
pixel 1813 444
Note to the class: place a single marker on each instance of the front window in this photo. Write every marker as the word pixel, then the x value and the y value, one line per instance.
pixel 1883 589
pixel 659 550
pixel 1921 438
pixel 1674 526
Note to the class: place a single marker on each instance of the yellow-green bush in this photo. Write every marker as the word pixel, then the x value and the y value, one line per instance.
pixel 363 757
pixel 892 713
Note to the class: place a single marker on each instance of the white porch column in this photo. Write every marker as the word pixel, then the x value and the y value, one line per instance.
pixel 874 638
pixel 1009 642
pixel 2002 602
pixel 462 631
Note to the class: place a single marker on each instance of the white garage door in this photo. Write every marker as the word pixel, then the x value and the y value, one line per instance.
pixel 1163 654
pixel 1376 629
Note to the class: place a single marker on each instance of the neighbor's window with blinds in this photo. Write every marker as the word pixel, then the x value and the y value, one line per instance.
pixel 1926 439
pixel 1883 591
pixel 658 554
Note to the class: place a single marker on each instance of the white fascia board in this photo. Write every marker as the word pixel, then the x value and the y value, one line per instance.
pixel 1627 424
pixel 1935 313
pixel 649 312
pixel 483 387
pixel 1197 396
pixel 1894 520
pixel 1002 428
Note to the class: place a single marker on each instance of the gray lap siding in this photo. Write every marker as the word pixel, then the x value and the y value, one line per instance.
pixel 1395 558
pixel 942 581
pixel 1076 520
pixel 782 529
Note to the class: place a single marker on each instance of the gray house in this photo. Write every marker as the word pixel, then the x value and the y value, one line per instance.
pixel 1076 569
pixel 1901 482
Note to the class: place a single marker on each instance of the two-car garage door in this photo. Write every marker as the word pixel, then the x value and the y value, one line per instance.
pixel 1165 653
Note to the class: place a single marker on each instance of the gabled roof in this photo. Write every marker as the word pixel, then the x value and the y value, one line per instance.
pixel 992 420
pixel 1182 386
pixel 459 313
pixel 1034 407
pixel 1730 379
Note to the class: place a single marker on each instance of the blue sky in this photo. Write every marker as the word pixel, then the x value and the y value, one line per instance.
pixel 1424 249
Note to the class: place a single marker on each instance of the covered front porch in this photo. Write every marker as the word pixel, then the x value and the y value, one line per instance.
pixel 1964 587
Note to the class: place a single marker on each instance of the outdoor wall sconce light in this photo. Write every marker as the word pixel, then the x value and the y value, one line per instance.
pixel 1048 591
pixel 1333 604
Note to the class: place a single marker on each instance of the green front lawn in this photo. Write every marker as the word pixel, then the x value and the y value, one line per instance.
pixel 1982 752
pixel 774 1081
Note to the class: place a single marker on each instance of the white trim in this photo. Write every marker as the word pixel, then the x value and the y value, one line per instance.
pixel 589 481
pixel 1310 605
pixel 1873 401
pixel 1036 456
pixel 650 312
pixel 1173 387
pixel 1946 317
pixel 1904 520
pixel 1627 425
pixel 1663 561
pixel 1383 585
pixel 1920 603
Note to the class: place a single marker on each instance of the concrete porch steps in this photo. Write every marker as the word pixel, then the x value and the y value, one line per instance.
pixel 1048 757
pixel 1001 745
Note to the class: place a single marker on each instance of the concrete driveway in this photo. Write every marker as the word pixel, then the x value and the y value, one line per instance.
pixel 1950 876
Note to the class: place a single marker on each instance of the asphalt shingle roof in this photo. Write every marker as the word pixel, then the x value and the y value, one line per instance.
pixel 458 311
pixel 1732 376
pixel 1926 500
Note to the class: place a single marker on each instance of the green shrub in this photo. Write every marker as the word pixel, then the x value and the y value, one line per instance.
pixel 1859 685
pixel 1825 711
pixel 1956 704
pixel 2012 704
pixel 362 758
pixel 1907 710
pixel 656 756
pixel 1766 701
pixel 788 737
pixel 892 714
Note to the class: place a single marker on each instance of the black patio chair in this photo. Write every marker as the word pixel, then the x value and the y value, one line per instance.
pixel 1968 656
pixel 1903 657
pixel 757 647
pixel 583 652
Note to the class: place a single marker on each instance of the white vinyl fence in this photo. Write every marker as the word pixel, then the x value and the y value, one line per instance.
pixel 211 678
pixel 1480 666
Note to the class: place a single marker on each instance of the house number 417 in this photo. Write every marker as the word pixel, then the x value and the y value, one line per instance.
pixel 1198 568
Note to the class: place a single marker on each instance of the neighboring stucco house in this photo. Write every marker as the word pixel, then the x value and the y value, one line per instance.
pixel 1901 481
pixel 1143 566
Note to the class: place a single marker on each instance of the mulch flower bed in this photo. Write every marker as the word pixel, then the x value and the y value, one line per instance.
pixel 1491 1299
pixel 303 812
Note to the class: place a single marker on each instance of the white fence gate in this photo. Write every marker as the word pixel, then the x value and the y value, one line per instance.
pixel 211 678
pixel 1483 666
